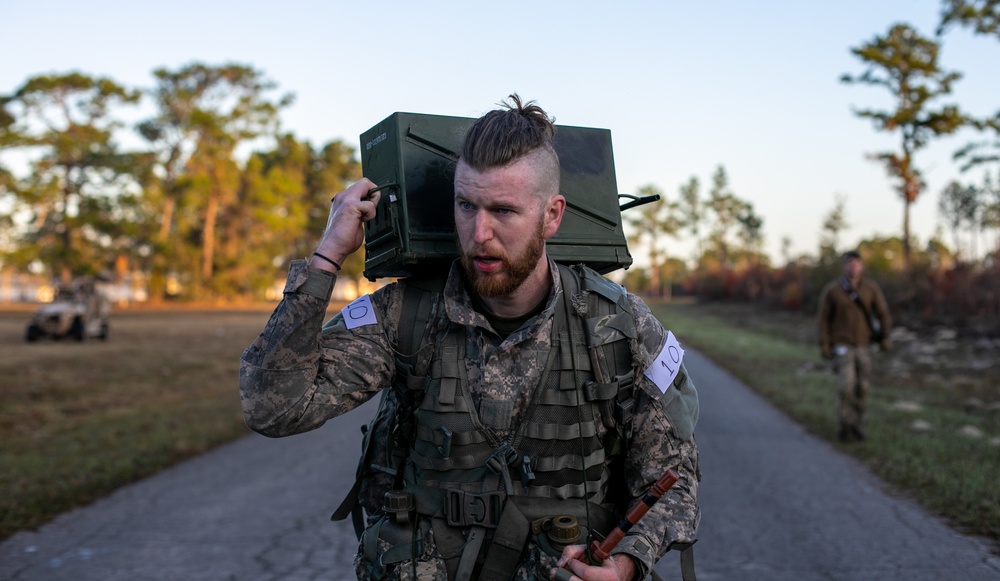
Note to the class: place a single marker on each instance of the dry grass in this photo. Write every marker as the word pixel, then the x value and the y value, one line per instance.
pixel 78 420
pixel 950 386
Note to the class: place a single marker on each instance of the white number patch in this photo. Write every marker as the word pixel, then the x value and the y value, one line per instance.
pixel 664 369
pixel 359 312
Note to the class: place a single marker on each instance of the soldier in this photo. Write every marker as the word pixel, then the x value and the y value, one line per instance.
pixel 515 424
pixel 852 316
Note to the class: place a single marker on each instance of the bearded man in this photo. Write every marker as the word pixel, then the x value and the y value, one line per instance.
pixel 519 424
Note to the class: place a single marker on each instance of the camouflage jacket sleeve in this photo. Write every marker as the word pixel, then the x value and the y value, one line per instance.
pixel 660 442
pixel 299 372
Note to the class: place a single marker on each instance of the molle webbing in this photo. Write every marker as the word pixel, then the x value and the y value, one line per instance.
pixel 557 450
pixel 450 448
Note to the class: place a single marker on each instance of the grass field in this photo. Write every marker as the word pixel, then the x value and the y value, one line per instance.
pixel 78 420
pixel 933 422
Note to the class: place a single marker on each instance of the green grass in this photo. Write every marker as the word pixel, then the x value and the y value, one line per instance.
pixel 78 421
pixel 949 473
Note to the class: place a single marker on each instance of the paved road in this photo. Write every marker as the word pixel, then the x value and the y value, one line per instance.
pixel 778 504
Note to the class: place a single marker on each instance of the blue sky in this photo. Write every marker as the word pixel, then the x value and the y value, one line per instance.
pixel 683 86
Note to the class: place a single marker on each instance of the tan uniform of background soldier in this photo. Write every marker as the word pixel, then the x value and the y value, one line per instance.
pixel 852 316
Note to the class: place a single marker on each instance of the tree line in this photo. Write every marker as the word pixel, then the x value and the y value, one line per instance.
pixel 931 280
pixel 180 207
pixel 905 63
pixel 728 233
pixel 183 206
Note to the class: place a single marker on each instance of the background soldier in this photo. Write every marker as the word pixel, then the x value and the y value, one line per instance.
pixel 852 316
pixel 514 423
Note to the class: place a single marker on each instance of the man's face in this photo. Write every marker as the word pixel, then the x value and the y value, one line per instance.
pixel 502 224
pixel 853 268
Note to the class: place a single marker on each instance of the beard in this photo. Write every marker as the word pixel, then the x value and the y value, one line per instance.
pixel 513 272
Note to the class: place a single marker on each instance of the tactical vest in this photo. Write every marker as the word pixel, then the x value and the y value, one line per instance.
pixel 553 450
pixel 554 460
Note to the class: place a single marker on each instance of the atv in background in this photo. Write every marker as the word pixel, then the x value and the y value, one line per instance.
pixel 79 311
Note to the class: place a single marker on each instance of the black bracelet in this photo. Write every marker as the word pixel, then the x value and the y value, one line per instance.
pixel 327 259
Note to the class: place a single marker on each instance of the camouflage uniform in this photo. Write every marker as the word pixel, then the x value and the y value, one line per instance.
pixel 298 374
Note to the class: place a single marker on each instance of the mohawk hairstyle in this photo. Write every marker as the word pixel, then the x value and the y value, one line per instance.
pixel 505 135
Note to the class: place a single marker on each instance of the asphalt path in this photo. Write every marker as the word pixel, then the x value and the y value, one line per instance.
pixel 777 503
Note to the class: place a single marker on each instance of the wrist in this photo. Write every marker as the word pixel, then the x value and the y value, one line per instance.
pixel 319 262
pixel 626 566
pixel 329 262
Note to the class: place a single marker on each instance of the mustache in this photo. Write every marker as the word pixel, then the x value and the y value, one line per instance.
pixel 479 250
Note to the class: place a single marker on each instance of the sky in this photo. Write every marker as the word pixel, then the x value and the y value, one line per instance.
pixel 683 86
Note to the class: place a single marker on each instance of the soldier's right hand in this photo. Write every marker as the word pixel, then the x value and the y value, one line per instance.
pixel 570 567
pixel 345 232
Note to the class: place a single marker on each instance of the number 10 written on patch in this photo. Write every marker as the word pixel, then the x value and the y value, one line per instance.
pixel 359 312
pixel 667 364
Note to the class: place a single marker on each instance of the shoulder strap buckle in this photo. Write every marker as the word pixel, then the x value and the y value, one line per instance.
pixel 462 509
pixel 624 410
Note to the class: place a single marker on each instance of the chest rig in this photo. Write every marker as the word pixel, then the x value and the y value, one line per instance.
pixel 554 448
pixel 473 481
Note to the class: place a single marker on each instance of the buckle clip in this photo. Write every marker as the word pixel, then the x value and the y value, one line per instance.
pixel 445 448
pixel 501 458
pixel 527 474
pixel 463 509
pixel 624 410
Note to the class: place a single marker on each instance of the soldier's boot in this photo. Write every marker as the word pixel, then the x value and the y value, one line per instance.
pixel 858 433
pixel 845 433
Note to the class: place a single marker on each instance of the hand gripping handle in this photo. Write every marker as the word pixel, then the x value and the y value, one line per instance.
pixel 599 551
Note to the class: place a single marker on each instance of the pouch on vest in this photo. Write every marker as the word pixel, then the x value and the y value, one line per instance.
pixel 378 467
pixel 389 550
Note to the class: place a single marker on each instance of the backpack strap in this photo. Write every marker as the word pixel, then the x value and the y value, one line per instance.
pixel 414 348
pixel 876 333
pixel 608 326
pixel 414 331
